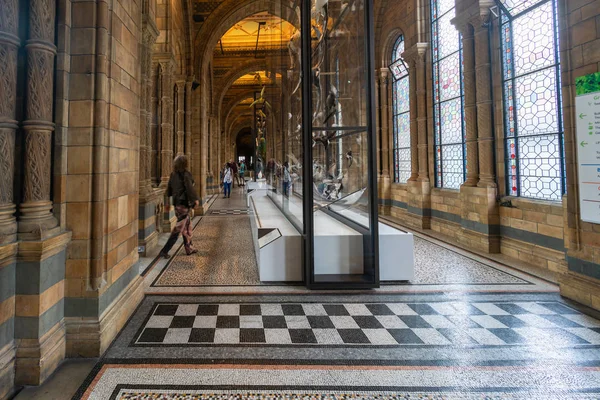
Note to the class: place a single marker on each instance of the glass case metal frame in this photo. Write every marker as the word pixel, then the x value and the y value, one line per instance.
pixel 370 276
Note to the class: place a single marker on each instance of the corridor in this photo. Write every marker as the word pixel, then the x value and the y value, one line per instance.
pixel 421 215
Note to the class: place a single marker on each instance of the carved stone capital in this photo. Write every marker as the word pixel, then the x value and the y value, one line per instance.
pixel 462 23
pixel 149 30
pixel 416 54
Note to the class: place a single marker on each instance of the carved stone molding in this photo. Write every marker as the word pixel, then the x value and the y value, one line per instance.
pixel 9 43
pixel 166 116
pixel 188 120
pixel 36 210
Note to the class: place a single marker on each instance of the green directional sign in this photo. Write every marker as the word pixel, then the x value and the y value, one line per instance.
pixel 582 116
pixel 583 144
pixel 588 84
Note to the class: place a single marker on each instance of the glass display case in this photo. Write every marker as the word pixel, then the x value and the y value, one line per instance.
pixel 338 111
pixel 318 148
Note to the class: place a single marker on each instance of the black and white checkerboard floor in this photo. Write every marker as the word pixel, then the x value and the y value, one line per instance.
pixel 229 212
pixel 373 324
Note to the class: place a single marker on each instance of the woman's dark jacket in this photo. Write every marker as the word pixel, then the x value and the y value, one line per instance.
pixel 181 187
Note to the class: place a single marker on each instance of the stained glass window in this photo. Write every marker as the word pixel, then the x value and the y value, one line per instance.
pixel 448 101
pixel 401 113
pixel 532 99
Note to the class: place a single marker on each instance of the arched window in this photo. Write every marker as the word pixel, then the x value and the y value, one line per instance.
pixel 448 100
pixel 401 113
pixel 532 99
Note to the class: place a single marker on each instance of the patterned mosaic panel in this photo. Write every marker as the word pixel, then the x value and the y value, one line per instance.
pixel 533 115
pixel 401 109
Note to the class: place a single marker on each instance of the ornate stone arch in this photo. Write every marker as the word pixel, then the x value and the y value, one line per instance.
pixel 229 79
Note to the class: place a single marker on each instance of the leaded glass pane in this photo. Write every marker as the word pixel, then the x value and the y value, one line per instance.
pixel 403 129
pixel 533 114
pixel 403 165
pixel 540 167
pixel 448 37
pixel 536 103
pixel 403 99
pixel 443 6
pixel 451 122
pixel 449 79
pixel 448 92
pixel 533 40
pixel 452 172
pixel 514 7
pixel 401 111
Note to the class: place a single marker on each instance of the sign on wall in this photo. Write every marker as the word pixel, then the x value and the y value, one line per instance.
pixel 588 144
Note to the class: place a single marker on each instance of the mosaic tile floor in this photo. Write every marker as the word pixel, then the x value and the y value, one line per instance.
pixel 226 257
pixel 429 346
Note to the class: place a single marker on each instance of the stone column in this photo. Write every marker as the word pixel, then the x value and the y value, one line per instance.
pixel 147 228
pixel 419 186
pixel 485 126
pixel 386 131
pixel 423 146
pixel 37 220
pixel 188 121
pixel 468 42
pixel 149 35
pixel 414 126
pixel 180 117
pixel 9 44
pixel 154 128
pixel 166 112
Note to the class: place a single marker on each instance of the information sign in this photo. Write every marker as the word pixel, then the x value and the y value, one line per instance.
pixel 588 145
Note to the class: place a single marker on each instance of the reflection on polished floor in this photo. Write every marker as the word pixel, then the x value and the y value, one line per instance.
pixel 486 331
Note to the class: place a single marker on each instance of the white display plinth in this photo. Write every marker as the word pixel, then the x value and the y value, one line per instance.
pixel 278 244
pixel 338 248
pixel 396 250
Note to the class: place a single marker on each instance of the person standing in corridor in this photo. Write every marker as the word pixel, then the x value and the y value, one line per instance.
pixel 227 179
pixel 242 172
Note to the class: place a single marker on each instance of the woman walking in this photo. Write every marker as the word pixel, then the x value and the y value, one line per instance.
pixel 181 187
pixel 227 179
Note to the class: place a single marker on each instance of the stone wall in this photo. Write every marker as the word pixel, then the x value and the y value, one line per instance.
pixel 102 173
pixel 580 50
pixel 480 216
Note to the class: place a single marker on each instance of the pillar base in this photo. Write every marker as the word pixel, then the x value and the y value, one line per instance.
pixel 384 187
pixel 7 370
pixel 89 337
pixel 419 204
pixel 8 224
pixel 480 219
pixel 37 359
pixel 37 221
pixel 149 209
